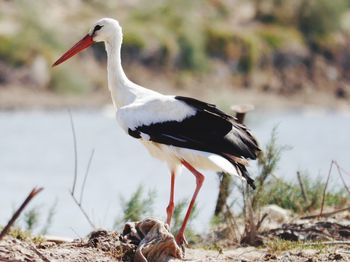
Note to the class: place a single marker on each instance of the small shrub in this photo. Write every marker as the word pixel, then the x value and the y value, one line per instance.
pixel 136 207
pixel 319 18
pixel 31 219
pixel 277 246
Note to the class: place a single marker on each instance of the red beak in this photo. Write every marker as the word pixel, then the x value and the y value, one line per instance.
pixel 81 45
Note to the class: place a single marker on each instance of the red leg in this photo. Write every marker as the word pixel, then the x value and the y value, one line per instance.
pixel 170 208
pixel 180 237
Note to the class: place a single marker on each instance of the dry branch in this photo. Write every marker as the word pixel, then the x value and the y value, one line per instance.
pixel 328 214
pixel 30 196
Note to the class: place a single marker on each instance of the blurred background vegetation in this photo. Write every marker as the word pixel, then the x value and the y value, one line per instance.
pixel 290 48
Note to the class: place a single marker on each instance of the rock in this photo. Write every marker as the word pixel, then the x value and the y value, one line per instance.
pixel 341 92
pixel 335 256
pixel 269 256
pixel 309 253
pixel 276 213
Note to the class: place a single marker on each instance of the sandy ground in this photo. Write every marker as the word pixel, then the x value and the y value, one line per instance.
pixel 15 250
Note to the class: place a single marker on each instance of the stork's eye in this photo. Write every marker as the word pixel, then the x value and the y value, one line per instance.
pixel 97 27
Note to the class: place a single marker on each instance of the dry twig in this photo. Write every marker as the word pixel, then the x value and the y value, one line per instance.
pixel 302 188
pixel 341 175
pixel 85 177
pixel 339 169
pixel 75 152
pixel 328 243
pixel 233 226
pixel 325 188
pixel 30 196
pixel 76 201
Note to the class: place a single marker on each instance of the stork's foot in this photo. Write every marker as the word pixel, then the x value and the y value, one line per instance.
pixel 181 240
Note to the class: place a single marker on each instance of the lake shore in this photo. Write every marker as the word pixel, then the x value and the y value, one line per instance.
pixel 19 98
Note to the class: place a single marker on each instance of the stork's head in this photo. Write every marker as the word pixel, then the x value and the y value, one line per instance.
pixel 104 30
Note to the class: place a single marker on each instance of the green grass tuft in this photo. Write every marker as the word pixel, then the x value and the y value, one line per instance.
pixel 277 246
pixel 136 207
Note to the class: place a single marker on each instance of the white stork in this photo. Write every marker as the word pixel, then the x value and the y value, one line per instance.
pixel 175 129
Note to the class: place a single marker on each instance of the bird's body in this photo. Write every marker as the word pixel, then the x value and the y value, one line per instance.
pixel 175 129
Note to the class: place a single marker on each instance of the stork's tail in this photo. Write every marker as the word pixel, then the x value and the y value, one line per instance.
pixel 232 165
pixel 240 166
pixel 241 169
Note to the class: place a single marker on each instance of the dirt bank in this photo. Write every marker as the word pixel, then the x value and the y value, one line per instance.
pixel 16 250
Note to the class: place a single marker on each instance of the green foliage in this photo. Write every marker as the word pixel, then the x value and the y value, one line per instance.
pixel 301 197
pixel 168 35
pixel 218 42
pixel 277 246
pixel 267 164
pixel 273 40
pixel 318 18
pixel 10 51
pixel 173 30
pixel 247 59
pixel 137 206
pixel 315 19
pixel 20 234
pixel 49 218
pixel 33 36
pixel 216 220
pixel 25 235
pixel 289 195
pixel 132 40
pixel 268 159
pixel 31 219
pixel 277 37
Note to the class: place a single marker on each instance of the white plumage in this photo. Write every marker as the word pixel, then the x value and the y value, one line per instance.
pixel 152 108
pixel 177 130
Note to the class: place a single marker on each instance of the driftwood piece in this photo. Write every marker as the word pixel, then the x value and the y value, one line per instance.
pixel 156 242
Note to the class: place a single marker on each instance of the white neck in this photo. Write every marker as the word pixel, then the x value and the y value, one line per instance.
pixel 123 91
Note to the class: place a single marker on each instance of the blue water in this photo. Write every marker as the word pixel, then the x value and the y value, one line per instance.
pixel 36 150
